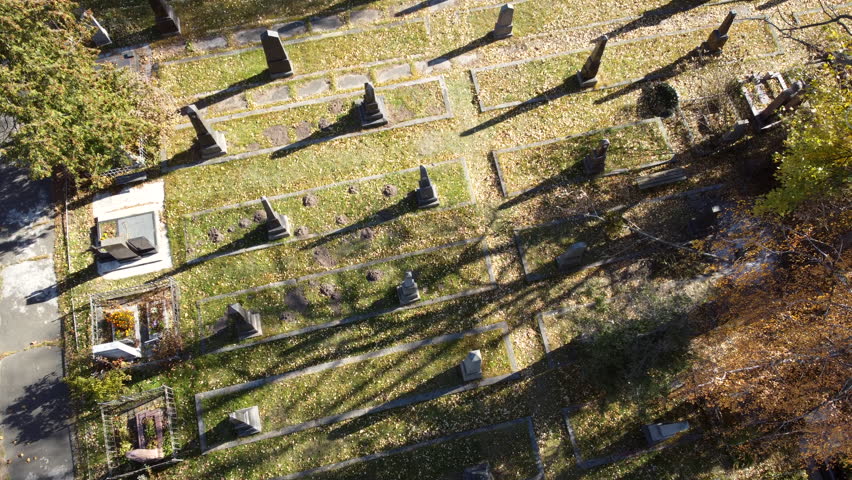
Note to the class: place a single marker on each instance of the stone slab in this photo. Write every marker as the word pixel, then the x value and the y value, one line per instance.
pixel 314 87
pixel 291 29
pixel 395 72
pixel 325 24
pixel 278 93
pixel 236 102
pixel 439 64
pixel 211 43
pixel 246 37
pixel 466 59
pixel 366 15
pixel 352 80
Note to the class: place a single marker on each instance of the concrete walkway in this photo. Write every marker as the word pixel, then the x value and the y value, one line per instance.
pixel 34 405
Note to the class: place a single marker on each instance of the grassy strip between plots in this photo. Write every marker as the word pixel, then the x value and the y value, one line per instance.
pixel 308 56
pixel 362 290
pixel 354 204
pixel 366 383
pixel 558 160
pixel 316 120
pixel 622 62
pixel 508 448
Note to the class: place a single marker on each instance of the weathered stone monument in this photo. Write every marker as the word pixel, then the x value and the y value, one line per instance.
pixel 246 421
pixel 142 246
pixel 371 110
pixel 658 432
pixel 503 27
pixel 407 291
pixel 471 366
pixel 100 38
pixel 719 37
pixel 278 63
pixel 116 350
pixel 211 143
pixel 165 19
pixel 573 256
pixel 587 76
pixel 595 162
pixel 247 323
pixel 144 455
pixel 277 225
pixel 787 98
pixel 478 472
pixel 427 195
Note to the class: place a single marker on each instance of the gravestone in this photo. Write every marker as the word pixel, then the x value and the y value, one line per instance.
pixel 246 421
pixel 702 220
pixel 276 57
pixel 427 195
pixel 408 291
pixel 142 246
pixel 659 179
pixel 144 455
pixel 118 249
pixel 277 225
pixel 719 37
pixel 165 19
pixel 789 97
pixel 210 143
pixel 471 366
pixel 595 162
pixel 503 27
pixel 478 472
pixel 371 110
pixel 247 323
pixel 658 432
pixel 100 38
pixel 573 257
pixel 116 350
pixel 587 76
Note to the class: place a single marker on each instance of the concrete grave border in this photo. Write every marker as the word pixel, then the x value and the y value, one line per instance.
pixel 545 98
pixel 542 330
pixel 165 167
pixel 203 258
pixel 428 443
pixel 340 417
pixel 656 120
pixel 353 318
pixel 693 136
pixel 797 16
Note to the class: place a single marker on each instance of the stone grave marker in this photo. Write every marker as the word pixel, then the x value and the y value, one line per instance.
pixel 100 38
pixel 658 432
pixel 471 366
pixel 408 291
pixel 116 350
pixel 790 97
pixel 142 246
pixel 719 37
pixel 118 249
pixel 247 323
pixel 573 256
pixel 478 472
pixel 595 162
pixel 144 455
pixel 210 143
pixel 277 225
pixel 665 177
pixel 426 193
pixel 503 27
pixel 372 110
pixel 278 63
pixel 165 19
pixel 246 421
pixel 587 76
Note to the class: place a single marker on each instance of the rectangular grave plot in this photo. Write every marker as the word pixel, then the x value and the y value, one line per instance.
pixel 509 448
pixel 309 55
pixel 550 162
pixel 707 119
pixel 536 79
pixel 349 294
pixel 289 400
pixel 349 205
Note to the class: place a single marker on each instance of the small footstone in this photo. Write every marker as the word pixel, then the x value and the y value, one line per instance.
pixel 259 216
pixel 389 190
pixel 353 189
pixel 301 231
pixel 374 275
pixel 314 87
pixel 286 30
pixel 366 15
pixel 310 200
pixel 277 135
pixel 215 235
pixel 351 80
pixel 248 36
pixel 244 223
pixel 324 124
pixel 274 94
pixel 341 220
pixel 303 130
pixel 393 73
pixel 287 317
pixel 230 229
pixel 324 24
pixel 366 233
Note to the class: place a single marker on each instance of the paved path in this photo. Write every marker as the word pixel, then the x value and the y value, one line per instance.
pixel 33 400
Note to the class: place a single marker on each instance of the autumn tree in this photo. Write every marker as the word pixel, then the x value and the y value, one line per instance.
pixel 71 114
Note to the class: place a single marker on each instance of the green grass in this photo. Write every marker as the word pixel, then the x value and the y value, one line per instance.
pixel 366 206
pixel 631 146
pixel 556 74
pixel 363 384
pixel 372 45
pixel 440 273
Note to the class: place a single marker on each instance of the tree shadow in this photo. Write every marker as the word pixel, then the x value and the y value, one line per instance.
pixel 770 4
pixel 472 45
pixel 660 74
pixel 40 412
pixel 256 80
pixel 418 6
pixel 655 16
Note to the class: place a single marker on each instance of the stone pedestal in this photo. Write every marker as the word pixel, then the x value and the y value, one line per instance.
pixel 246 421
pixel 471 366
pixel 719 37
pixel 573 257
pixel 595 162
pixel 426 193
pixel 371 110
pixel 503 27
pixel 277 225
pixel 658 432
pixel 278 63
pixel 165 19
pixel 247 323
pixel 408 291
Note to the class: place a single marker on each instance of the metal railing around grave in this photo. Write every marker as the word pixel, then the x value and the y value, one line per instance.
pixel 97 301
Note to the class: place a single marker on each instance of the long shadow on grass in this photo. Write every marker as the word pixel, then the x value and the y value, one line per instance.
pixel 256 80
pixel 660 74
pixel 655 16
pixel 405 205
pixel 417 7
pixel 472 45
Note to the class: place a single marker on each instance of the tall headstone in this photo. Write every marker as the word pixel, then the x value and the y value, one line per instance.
pixel 763 119
pixel 503 27
pixel 573 256
pixel 277 225
pixel 276 57
pixel 100 37
pixel 247 323
pixel 471 366
pixel 595 162
pixel 211 143
pixel 427 195
pixel 408 291
pixel 165 19
pixel 587 76
pixel 371 109
pixel 719 37
pixel 246 421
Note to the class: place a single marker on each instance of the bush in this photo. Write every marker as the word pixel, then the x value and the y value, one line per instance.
pixel 661 99
pixel 99 389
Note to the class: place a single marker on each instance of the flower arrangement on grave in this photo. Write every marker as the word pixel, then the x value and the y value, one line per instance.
pixel 155 319
pixel 122 321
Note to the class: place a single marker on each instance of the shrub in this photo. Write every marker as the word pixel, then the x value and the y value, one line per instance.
pixel 661 99
pixel 99 389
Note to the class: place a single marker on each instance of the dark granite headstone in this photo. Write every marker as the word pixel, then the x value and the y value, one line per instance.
pixel 276 57
pixel 427 195
pixel 118 249
pixel 100 38
pixel 371 110
pixel 247 323
pixel 587 76
pixel 503 27
pixel 165 19
pixel 595 162
pixel 142 246
pixel 408 291
pixel 210 143
pixel 277 225
pixel 719 37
